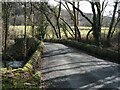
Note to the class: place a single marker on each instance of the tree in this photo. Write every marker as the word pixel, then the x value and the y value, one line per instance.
pixel 31 17
pixel 57 17
pixel 74 16
pixel 5 16
pixel 66 24
pixel 116 24
pixel 47 14
pixel 77 32
pixel 111 24
pixel 96 21
pixel 25 29
pixel 96 26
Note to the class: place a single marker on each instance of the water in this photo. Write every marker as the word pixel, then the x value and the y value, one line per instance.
pixel 14 64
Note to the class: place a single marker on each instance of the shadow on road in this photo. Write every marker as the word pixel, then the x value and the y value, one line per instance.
pixel 57 52
pixel 105 78
pixel 67 68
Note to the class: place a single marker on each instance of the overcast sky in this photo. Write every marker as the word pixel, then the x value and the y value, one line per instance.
pixel 86 7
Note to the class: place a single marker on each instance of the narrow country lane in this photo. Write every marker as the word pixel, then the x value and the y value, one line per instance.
pixel 64 67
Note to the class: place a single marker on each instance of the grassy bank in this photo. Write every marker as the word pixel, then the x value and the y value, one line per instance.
pixel 27 77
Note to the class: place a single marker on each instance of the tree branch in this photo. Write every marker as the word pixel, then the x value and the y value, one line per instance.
pixel 82 13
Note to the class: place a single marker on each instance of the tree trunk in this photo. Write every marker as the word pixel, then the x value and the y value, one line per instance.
pixel 32 21
pixel 111 24
pixel 96 22
pixel 75 29
pixel 57 18
pixel 25 39
pixel 5 9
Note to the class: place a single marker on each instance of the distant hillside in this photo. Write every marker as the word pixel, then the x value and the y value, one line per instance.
pixel 82 20
pixel 64 14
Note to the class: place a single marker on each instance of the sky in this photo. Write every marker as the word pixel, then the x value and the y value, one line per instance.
pixel 86 7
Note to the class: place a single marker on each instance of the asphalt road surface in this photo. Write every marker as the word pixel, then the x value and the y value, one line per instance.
pixel 66 68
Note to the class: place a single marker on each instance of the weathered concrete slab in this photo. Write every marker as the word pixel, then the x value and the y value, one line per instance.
pixel 64 67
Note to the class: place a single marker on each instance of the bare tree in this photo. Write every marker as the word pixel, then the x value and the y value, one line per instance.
pixel 116 24
pixel 57 17
pixel 32 19
pixel 25 30
pixel 74 16
pixel 46 14
pixel 6 13
pixel 111 24
pixel 96 21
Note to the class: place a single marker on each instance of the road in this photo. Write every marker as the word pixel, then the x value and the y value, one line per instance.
pixel 66 68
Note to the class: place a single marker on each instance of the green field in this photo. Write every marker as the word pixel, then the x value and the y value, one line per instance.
pixel 19 30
